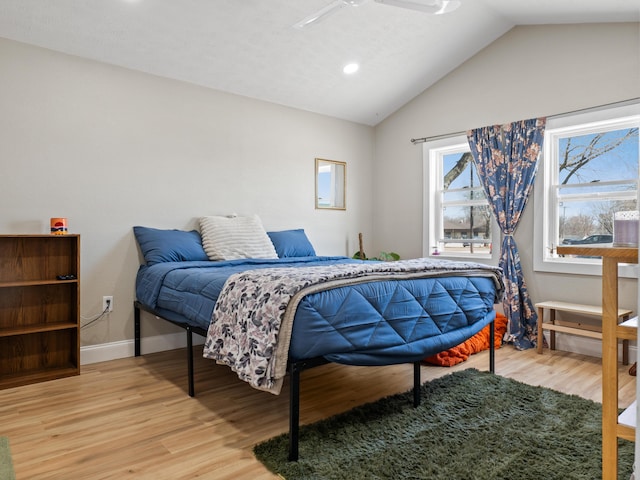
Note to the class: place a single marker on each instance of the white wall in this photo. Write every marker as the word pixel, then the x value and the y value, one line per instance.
pixel 110 148
pixel 531 71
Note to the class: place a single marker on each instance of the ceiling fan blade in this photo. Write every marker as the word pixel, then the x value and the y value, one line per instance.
pixel 435 7
pixel 321 14
pixel 448 6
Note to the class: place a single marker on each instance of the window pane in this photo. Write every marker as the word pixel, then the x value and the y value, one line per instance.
pixel 589 221
pixel 466 227
pixel 597 175
pixel 459 223
pixel 459 171
pixel 590 158
pixel 466 230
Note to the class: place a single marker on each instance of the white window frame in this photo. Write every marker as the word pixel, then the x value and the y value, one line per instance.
pixel 432 201
pixel 545 259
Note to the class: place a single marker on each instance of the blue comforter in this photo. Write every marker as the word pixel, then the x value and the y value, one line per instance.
pixel 190 289
pixel 375 323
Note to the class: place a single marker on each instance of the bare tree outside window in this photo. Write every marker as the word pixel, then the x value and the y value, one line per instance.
pixel 466 217
pixel 578 152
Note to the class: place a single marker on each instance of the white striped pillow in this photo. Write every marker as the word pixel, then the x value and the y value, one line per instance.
pixel 230 238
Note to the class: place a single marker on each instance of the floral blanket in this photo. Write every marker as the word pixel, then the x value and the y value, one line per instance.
pixel 251 325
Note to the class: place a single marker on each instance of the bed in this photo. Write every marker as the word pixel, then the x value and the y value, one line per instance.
pixel 268 306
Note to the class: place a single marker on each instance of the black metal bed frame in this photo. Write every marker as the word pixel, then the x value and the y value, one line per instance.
pixel 294 369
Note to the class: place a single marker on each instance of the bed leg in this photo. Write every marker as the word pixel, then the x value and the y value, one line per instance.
pixel 492 347
pixel 294 411
pixel 190 361
pixel 416 384
pixel 136 329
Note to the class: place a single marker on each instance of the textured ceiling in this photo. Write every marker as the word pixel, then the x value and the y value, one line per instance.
pixel 249 47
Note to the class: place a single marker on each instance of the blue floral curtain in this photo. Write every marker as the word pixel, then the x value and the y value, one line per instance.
pixel 506 158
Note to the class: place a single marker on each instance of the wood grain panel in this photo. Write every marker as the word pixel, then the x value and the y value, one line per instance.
pixel 39 314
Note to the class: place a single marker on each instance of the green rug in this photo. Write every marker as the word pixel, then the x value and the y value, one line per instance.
pixel 6 465
pixel 471 425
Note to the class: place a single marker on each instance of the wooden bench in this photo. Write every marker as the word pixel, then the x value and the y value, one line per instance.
pixel 584 330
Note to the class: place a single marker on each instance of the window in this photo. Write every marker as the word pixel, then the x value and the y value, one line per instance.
pixel 588 172
pixel 458 221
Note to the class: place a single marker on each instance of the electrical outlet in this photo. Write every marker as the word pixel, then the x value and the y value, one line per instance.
pixel 107 303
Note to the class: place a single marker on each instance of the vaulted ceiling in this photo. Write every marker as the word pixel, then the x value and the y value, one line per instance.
pixel 251 48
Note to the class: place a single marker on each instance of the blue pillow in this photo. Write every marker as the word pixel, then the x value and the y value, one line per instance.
pixel 159 246
pixel 292 243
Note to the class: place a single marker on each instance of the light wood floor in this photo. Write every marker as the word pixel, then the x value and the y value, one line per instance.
pixel 132 418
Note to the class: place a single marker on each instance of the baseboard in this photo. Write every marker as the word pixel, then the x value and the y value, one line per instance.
pixel 161 343
pixel 588 346
pixel 126 348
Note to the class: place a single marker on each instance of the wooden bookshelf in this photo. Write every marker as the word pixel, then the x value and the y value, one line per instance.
pixel 612 427
pixel 39 314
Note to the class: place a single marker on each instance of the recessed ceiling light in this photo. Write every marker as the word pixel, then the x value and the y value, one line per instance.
pixel 351 68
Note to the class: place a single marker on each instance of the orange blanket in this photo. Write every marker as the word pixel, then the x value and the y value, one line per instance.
pixel 477 343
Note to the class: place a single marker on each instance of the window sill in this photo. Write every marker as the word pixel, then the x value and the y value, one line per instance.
pixel 582 266
pixel 488 259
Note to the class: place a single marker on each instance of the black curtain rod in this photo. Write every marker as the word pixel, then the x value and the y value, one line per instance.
pixel 631 101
